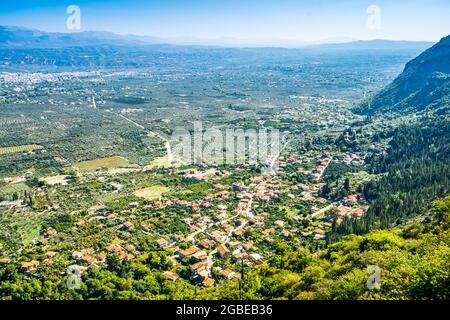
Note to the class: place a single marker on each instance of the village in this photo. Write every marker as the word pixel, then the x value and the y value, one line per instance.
pixel 231 228
pixel 221 222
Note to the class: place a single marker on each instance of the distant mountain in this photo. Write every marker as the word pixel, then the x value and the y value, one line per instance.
pixel 23 38
pixel 378 45
pixel 424 84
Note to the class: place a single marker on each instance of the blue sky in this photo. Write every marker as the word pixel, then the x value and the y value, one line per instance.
pixel 293 20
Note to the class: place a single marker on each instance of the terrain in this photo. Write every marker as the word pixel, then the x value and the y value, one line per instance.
pixel 92 207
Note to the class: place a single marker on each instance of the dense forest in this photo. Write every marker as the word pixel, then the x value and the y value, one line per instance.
pixel 415 171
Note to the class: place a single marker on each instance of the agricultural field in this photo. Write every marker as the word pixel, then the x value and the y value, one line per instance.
pixel 151 193
pixel 17 149
pixel 108 163
pixel 14 188
pixel 160 162
pixel 54 180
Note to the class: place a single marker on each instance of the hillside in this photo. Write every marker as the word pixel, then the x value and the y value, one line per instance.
pixel 424 84
pixel 413 262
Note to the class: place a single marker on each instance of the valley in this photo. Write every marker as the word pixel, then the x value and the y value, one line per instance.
pixel 89 181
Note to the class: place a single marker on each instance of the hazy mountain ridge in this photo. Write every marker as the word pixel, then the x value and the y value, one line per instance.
pixel 18 37
pixel 424 83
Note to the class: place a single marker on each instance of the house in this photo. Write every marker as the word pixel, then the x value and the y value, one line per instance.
pixel 343 210
pixel 319 231
pixel 239 232
pixel 222 207
pixel 88 259
pixel 249 245
pixel 101 257
pixel 318 236
pixel 162 242
pixel 77 255
pixel 229 274
pixel 207 243
pixel 321 200
pixel 126 256
pixel 218 236
pixel 115 186
pixel 238 256
pixel 188 252
pixel 358 213
pixel 114 248
pixel 208 282
pixel 285 233
pixel 279 223
pixel 268 231
pixel 179 237
pixel 127 225
pixel 351 199
pixel 223 251
pixel 200 255
pixel 133 204
pixel 50 232
pixel 202 275
pixel 29 266
pixel 131 248
pixel 80 222
pixel 222 216
pixel 255 256
pixel 233 245
pixel 198 266
pixel 5 261
pixel 170 275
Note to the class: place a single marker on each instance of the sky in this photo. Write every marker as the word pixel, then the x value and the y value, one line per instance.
pixel 244 20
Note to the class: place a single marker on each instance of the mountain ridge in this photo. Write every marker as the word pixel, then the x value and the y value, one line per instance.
pixel 423 84
pixel 18 38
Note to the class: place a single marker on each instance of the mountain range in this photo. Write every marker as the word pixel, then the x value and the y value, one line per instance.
pixel 424 84
pixel 21 38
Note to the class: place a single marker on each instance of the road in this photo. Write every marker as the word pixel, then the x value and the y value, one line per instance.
pixel 275 158
pixel 324 168
pixel 131 121
pixel 159 135
pixel 327 208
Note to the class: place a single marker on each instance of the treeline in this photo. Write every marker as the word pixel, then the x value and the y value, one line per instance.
pixel 415 172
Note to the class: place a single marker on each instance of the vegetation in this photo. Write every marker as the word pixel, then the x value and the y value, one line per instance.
pixel 108 163
pixel 413 261
pixel 90 189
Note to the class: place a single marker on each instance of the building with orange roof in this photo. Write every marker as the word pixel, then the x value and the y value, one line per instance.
pixel 223 251
pixel 188 252
pixel 198 266
pixel 170 276
pixel 208 282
